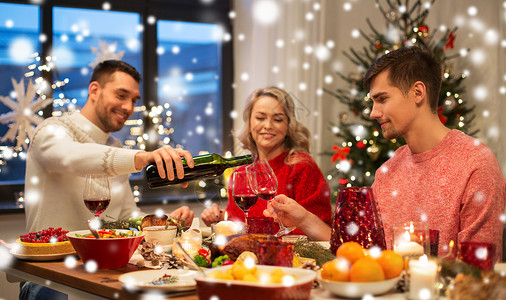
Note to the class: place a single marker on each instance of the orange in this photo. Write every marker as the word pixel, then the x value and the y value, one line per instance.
pixel 391 263
pixel 352 251
pixel 337 269
pixel 366 269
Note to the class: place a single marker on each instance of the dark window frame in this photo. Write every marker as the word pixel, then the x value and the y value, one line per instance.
pixel 174 10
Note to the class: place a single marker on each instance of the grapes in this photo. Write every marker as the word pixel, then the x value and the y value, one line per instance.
pixel 45 235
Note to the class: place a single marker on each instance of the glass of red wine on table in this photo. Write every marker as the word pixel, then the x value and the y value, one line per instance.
pixel 243 195
pixel 96 195
pixel 264 184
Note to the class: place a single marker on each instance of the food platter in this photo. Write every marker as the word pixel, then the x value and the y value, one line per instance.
pixel 143 281
pixel 297 287
pixel 40 257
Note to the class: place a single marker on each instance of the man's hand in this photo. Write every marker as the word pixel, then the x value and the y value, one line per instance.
pixel 212 214
pixel 291 213
pixel 168 155
pixel 183 213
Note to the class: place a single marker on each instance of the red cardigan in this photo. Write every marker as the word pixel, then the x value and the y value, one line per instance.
pixel 302 181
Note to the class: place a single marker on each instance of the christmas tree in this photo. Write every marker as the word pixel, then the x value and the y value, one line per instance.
pixel 361 147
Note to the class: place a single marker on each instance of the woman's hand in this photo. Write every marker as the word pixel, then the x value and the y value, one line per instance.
pixel 212 214
pixel 183 213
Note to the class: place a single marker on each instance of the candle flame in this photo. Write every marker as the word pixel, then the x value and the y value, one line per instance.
pixel 411 227
pixel 451 244
pixel 225 217
pixel 407 236
pixel 423 259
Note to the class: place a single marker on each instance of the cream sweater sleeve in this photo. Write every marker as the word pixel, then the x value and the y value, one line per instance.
pixel 58 147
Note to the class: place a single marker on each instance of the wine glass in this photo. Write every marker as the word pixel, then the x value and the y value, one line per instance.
pixel 243 195
pixel 264 184
pixel 97 193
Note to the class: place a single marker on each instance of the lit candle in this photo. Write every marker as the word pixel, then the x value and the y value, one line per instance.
pixel 422 278
pixel 227 228
pixel 405 247
pixel 224 228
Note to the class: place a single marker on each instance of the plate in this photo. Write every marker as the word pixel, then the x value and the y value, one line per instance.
pixel 40 257
pixel 140 280
pixel 324 244
pixel 357 289
pixel 206 231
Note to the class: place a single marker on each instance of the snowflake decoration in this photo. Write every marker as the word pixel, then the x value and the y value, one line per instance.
pixel 24 112
pixel 107 52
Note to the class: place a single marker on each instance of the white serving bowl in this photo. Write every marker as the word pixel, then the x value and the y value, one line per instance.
pixel 357 289
pixel 161 235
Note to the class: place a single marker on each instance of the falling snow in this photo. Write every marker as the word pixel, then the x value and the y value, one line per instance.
pixel 265 12
pixel 91 266
pixel 352 228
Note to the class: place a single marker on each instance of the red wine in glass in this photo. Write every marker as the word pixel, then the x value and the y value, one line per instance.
pixel 243 195
pixel 245 202
pixel 97 206
pixel 97 193
pixel 267 196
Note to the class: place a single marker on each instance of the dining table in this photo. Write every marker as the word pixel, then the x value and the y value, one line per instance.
pixel 78 283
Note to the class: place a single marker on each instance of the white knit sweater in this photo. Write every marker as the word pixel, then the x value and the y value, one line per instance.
pixel 62 151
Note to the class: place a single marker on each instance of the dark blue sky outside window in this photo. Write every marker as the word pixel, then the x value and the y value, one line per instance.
pixel 189 70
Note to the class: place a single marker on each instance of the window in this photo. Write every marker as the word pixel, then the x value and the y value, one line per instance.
pixel 19 36
pixel 189 83
pixel 175 45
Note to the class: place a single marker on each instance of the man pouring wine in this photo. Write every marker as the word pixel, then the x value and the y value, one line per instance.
pixel 64 149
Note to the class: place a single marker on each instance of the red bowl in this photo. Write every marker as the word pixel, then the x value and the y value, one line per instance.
pixel 107 253
pixel 208 287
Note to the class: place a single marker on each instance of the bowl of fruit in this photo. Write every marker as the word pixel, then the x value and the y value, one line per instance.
pixel 247 279
pixel 113 250
pixel 356 272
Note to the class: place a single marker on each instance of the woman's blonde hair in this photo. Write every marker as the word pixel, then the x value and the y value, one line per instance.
pixel 297 136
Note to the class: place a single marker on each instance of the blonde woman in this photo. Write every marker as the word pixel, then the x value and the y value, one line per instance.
pixel 272 133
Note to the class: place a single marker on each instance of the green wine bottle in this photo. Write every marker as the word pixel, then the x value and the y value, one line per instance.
pixel 207 165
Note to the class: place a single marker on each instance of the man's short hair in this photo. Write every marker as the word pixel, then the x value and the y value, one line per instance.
pixel 406 66
pixel 103 71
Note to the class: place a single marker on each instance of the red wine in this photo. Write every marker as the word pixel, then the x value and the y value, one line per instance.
pixel 266 195
pixel 207 165
pixel 97 206
pixel 245 202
